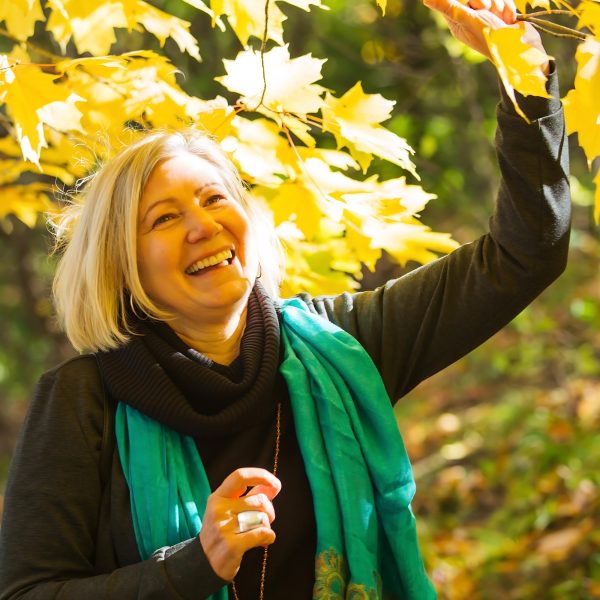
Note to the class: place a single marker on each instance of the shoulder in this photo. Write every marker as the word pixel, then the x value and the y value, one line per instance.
pixel 76 375
pixel 83 365
pixel 69 397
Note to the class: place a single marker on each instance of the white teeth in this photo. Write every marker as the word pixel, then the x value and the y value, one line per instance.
pixel 209 261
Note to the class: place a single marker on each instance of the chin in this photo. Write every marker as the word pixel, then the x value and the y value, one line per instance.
pixel 232 294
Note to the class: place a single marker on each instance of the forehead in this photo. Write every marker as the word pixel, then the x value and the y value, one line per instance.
pixel 180 172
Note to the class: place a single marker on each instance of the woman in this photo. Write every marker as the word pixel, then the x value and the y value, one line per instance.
pixel 131 473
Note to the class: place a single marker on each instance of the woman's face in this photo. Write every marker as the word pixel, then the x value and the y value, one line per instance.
pixel 195 253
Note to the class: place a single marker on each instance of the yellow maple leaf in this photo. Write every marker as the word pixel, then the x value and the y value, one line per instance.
pixel 589 15
pixel 523 4
pixel 91 24
pixel 290 81
pixel 582 108
pixel 12 168
pixel 26 202
pixel 20 16
pixel 199 5
pixel 247 18
pixel 383 5
pixel 375 216
pixel 102 67
pixel 309 265
pixel 334 158
pixel 145 90
pixel 359 242
pixel 213 116
pixel 9 147
pixel 139 86
pixel 33 99
pixel 310 197
pixel 408 240
pixel 519 65
pixel 65 157
pixel 161 25
pixel 104 101
pixel 331 184
pixel 391 200
pixel 297 202
pixel 354 120
pixel 257 149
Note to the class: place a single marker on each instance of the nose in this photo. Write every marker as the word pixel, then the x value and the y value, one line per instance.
pixel 201 225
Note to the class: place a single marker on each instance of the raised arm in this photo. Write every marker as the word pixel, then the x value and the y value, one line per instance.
pixel 414 326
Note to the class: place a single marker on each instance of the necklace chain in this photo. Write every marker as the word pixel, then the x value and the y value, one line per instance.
pixel 263 570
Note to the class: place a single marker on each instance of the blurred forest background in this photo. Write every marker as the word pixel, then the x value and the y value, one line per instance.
pixel 505 443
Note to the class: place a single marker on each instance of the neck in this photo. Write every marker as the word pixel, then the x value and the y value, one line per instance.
pixel 219 341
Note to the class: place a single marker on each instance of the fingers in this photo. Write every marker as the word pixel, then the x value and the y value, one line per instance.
pixel 223 542
pixel 455 9
pixel 224 546
pixel 443 6
pixel 480 4
pixel 253 502
pixel 509 13
pixel 236 484
pixel 470 22
pixel 504 9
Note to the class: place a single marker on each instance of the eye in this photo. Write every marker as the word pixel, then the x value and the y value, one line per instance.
pixel 163 219
pixel 213 199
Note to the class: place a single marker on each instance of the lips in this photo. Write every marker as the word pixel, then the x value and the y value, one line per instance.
pixel 210 261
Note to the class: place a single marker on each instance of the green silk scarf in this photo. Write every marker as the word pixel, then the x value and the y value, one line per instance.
pixel 357 467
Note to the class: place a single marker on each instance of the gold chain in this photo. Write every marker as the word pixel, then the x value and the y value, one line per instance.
pixel 263 570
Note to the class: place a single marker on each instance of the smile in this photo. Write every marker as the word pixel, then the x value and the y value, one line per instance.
pixel 211 261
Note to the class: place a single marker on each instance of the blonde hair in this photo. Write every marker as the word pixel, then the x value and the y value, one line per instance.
pixel 97 281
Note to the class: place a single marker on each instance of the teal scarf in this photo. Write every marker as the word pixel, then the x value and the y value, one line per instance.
pixel 357 467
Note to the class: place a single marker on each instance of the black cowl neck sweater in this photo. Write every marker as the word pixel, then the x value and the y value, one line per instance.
pixel 230 412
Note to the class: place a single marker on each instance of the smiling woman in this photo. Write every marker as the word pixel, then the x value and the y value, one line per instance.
pixel 154 467
pixel 134 217
pixel 196 253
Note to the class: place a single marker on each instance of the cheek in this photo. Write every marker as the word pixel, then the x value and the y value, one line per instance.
pixel 249 240
pixel 148 263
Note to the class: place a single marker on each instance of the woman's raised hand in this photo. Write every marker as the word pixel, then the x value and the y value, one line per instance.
pixel 467 20
pixel 220 535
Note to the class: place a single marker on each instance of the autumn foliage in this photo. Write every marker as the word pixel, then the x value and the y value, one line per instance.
pixel 62 115
pixel 504 443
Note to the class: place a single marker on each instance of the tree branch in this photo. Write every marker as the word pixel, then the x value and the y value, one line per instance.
pixel 263 48
pixel 39 50
pixel 552 28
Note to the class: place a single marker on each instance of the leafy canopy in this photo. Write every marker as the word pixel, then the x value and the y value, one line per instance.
pixel 59 115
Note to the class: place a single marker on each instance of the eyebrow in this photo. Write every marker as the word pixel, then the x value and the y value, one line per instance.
pixel 173 199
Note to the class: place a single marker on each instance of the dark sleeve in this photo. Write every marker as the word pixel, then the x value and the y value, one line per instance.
pixel 416 325
pixel 48 539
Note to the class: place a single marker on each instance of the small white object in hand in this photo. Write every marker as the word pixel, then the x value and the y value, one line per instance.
pixel 250 519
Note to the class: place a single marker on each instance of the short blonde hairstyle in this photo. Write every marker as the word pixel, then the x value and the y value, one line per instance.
pixel 97 281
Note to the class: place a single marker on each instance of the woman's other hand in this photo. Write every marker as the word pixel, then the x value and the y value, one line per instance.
pixel 220 537
pixel 468 20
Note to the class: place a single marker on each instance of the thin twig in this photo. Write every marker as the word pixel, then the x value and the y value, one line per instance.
pixel 263 47
pixel 301 162
pixel 554 11
pixel 41 51
pixel 553 28
pixel 556 34
pixel 22 64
